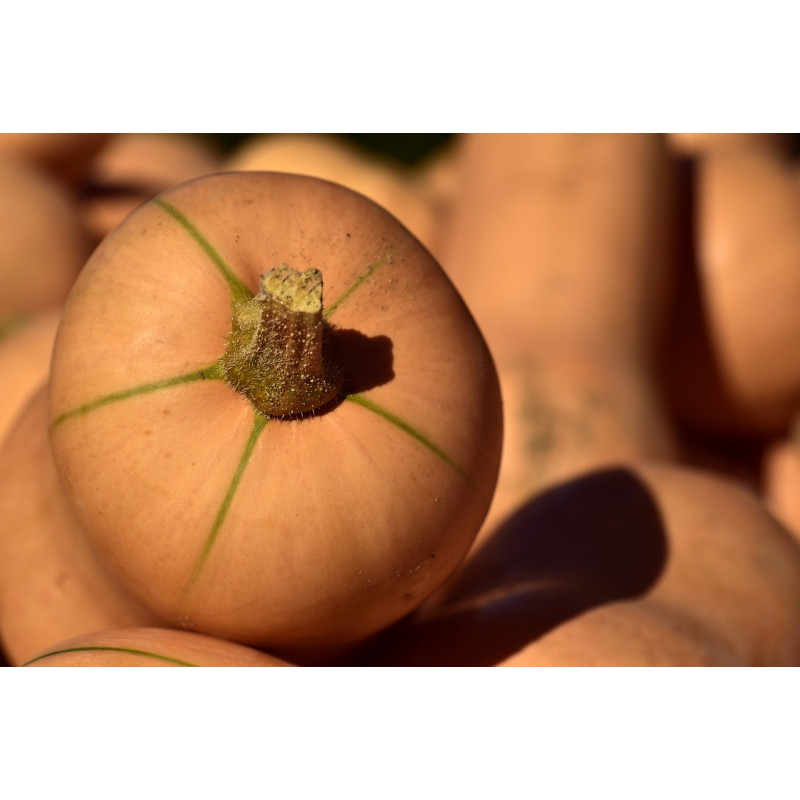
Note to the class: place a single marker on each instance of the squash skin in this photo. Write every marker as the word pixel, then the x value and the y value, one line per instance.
pixel 402 191
pixel 632 634
pixel 582 226
pixel 750 255
pixel 132 167
pixel 43 243
pixel 25 352
pixel 151 647
pixel 52 586
pixel 780 477
pixel 729 374
pixel 644 564
pixel 342 522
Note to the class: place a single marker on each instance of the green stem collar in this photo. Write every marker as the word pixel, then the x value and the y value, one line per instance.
pixel 276 350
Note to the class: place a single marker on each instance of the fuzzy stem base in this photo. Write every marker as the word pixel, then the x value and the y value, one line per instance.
pixel 275 354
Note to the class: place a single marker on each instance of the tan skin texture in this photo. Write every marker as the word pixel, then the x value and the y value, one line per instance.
pixel 576 228
pixel 152 647
pixel 402 191
pixel 642 565
pixel 25 351
pixel 780 475
pixel 342 522
pixel 729 372
pixel 42 242
pixel 577 231
pixel 52 586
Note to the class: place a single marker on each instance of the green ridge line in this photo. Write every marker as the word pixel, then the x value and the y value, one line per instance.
pixel 259 424
pixel 208 373
pixel 371 269
pixel 239 291
pixel 371 405
pixel 96 648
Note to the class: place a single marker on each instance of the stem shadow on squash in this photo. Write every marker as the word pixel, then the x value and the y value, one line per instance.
pixel 366 361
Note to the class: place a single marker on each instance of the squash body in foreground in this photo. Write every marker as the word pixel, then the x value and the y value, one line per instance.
pixel 52 587
pixel 151 647
pixel 297 533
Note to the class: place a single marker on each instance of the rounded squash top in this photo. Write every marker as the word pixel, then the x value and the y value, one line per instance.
pixel 295 529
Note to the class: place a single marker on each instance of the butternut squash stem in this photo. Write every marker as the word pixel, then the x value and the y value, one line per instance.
pixel 276 349
pixel 101 648
pixel 241 294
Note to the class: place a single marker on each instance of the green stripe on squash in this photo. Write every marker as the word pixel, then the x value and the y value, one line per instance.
pixel 238 289
pixel 206 374
pixel 259 424
pixel 103 648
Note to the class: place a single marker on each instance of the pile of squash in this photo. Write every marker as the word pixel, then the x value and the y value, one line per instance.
pixel 531 401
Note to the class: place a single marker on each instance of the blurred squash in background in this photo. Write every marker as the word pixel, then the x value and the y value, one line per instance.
pixel 43 243
pixel 133 167
pixel 563 246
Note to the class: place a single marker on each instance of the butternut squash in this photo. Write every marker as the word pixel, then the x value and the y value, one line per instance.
pixel 52 586
pixel 562 246
pixel 253 461
pixel 729 373
pixel 645 564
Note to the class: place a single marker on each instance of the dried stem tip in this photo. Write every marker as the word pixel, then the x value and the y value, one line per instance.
pixel 275 350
